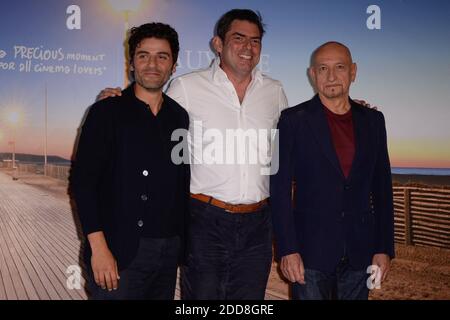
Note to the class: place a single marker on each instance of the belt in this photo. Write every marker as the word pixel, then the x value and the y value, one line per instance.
pixel 228 207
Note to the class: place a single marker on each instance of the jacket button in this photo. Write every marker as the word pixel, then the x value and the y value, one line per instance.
pixel 343 214
pixel 140 223
pixel 145 173
pixel 144 197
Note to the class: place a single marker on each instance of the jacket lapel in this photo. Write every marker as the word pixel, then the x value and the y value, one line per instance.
pixel 361 129
pixel 319 126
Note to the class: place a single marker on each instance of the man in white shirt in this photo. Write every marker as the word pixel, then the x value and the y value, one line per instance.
pixel 232 108
pixel 230 231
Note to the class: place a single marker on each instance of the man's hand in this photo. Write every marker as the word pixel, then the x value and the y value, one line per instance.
pixel 104 265
pixel 292 268
pixel 383 261
pixel 109 92
pixel 365 104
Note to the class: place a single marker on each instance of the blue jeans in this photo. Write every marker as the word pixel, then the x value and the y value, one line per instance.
pixel 150 276
pixel 342 284
pixel 229 255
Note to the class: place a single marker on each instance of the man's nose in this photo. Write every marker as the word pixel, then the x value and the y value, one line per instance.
pixel 331 75
pixel 151 61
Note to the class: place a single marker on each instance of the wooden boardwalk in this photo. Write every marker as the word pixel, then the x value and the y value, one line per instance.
pixel 39 240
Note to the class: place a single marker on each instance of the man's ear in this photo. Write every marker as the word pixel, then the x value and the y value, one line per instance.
pixel 174 68
pixel 131 67
pixel 217 44
pixel 312 75
pixel 353 70
pixel 312 78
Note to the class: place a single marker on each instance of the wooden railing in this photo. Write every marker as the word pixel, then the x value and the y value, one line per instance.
pixel 54 171
pixel 58 172
pixel 422 215
pixel 30 168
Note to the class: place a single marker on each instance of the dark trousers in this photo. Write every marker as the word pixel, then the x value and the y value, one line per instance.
pixel 343 284
pixel 229 255
pixel 151 275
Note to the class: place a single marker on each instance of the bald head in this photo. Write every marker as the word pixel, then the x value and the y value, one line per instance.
pixel 331 46
pixel 332 71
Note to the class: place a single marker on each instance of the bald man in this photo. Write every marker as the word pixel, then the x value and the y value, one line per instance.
pixel 340 227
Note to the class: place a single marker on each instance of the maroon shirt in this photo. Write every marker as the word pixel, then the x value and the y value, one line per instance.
pixel 342 134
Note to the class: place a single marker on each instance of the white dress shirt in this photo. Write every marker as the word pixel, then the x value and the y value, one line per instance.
pixel 219 168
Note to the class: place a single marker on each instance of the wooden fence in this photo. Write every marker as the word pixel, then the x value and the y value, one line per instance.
pixel 54 171
pixel 422 216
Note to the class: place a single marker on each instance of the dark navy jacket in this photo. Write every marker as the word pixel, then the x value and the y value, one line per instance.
pixel 332 216
pixel 123 180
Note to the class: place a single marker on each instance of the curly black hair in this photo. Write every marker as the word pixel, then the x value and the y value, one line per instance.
pixel 153 30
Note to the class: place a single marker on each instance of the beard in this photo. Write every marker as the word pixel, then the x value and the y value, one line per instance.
pixel 332 92
pixel 155 83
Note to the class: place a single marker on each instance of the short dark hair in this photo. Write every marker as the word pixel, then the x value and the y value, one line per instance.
pixel 153 30
pixel 224 23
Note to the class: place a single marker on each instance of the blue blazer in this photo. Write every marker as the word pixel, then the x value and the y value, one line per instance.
pixel 332 216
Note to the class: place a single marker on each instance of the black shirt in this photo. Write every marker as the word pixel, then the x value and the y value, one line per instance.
pixel 152 134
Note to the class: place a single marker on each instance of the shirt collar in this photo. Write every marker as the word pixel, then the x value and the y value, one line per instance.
pixel 128 93
pixel 219 76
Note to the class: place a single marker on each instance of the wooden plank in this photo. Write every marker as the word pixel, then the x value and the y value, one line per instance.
pixel 48 214
pixel 430 210
pixel 408 222
pixel 432 201
pixel 431 205
pixel 60 263
pixel 53 260
pixel 62 213
pixel 432 190
pixel 427 243
pixel 432 233
pixel 25 229
pixel 2 288
pixel 53 224
pixel 431 241
pixel 8 286
pixel 36 290
pixel 432 222
pixel 445 218
pixel 432 236
pixel 56 243
pixel 435 194
pixel 12 259
pixel 53 268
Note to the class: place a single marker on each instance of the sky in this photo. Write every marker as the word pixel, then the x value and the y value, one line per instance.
pixel 403 67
